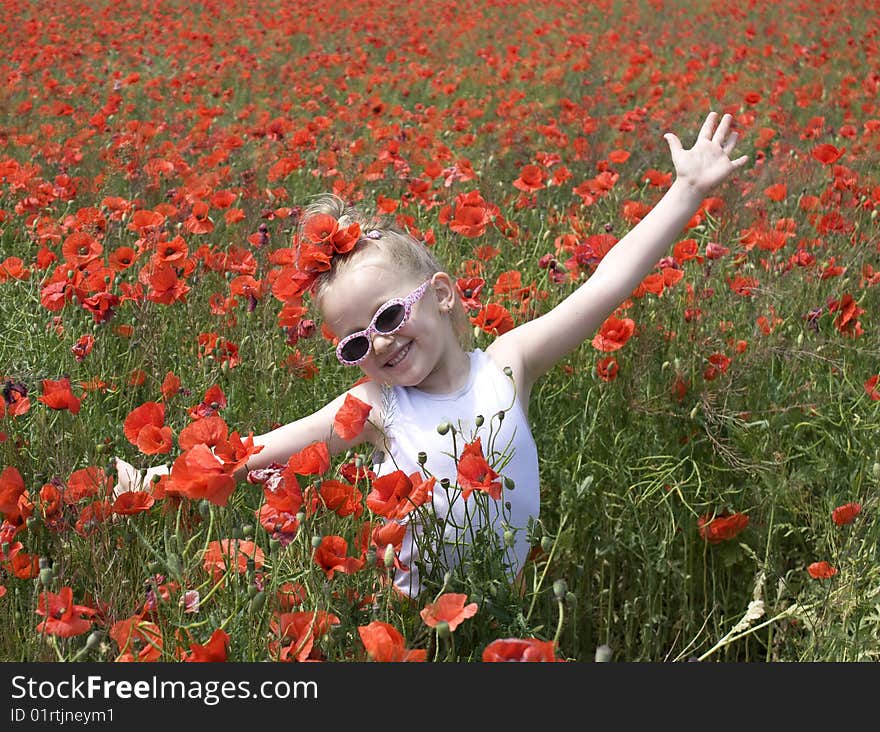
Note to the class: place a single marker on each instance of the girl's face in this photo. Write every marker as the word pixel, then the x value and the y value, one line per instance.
pixel 424 352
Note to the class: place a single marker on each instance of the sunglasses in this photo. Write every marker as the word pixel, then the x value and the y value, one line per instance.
pixel 389 319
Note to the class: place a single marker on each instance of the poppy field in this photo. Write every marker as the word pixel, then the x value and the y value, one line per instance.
pixel 710 461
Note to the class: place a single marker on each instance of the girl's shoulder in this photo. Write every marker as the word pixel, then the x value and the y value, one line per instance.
pixel 503 353
pixel 375 396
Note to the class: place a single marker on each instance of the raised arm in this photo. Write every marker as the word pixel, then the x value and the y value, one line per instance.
pixel 536 346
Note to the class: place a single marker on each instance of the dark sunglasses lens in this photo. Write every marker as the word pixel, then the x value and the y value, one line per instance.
pixel 390 318
pixel 355 349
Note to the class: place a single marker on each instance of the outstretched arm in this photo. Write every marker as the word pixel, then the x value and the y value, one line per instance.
pixel 278 445
pixel 536 346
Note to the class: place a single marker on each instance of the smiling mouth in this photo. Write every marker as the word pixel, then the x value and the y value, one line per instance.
pixel 399 357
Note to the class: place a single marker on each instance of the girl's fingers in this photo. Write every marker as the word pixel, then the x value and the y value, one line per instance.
pixel 673 142
pixel 730 143
pixel 708 126
pixel 723 129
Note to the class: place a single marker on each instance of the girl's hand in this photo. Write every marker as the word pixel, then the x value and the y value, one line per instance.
pixel 708 162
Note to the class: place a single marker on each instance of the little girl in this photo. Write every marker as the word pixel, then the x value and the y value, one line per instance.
pixel 399 318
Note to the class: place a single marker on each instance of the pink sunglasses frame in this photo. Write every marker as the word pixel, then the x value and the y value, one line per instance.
pixel 371 329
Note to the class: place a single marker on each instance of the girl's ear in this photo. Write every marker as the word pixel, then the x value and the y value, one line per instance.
pixel 444 290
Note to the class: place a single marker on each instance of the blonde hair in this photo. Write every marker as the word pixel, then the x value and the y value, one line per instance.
pixel 379 234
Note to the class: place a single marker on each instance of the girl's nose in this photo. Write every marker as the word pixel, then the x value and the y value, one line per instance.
pixel 382 342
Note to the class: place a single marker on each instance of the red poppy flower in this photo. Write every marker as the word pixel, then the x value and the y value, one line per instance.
pixel 11 489
pixel 24 565
pixel 351 417
pixel 331 557
pixel 871 387
pixel 469 289
pixel 132 502
pixel 334 495
pixel 827 154
pixel 215 650
pixel 212 402
pixel 170 385
pixel 197 473
pixel 302 629
pixel 531 178
pixel 63 617
pixel 474 473
pixel 313 459
pixel 57 395
pixel 394 495
pixel 163 285
pixel 494 319
pixel 324 229
pixel 613 334
pixel 137 639
pixel 144 427
pixel 12 268
pixel 607 368
pixel 385 644
pixel 91 516
pixel 291 594
pixel 722 527
pixel 86 483
pixel 83 347
pixel 470 216
pixel 848 312
pixel 846 514
pixel 232 554
pixel 449 608
pixel 380 537
pixel 821 570
pixel 211 431
pixel 522 650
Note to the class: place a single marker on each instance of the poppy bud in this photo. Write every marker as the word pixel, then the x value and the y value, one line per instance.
pixel 443 428
pixel 875 470
pixel 546 543
pixel 46 577
pixel 370 557
pixel 422 458
pixel 508 538
pixel 94 639
pixel 509 483
pixel 560 587
pixel 316 541
pixel 479 420
pixel 389 556
pixel 247 530
pixel 508 372
pixel 500 416
pixel 274 545
pixel 300 517
pixel 258 601
pixel 603 654
pixel 205 508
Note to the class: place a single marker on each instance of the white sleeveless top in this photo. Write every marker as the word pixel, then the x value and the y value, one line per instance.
pixel 410 424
